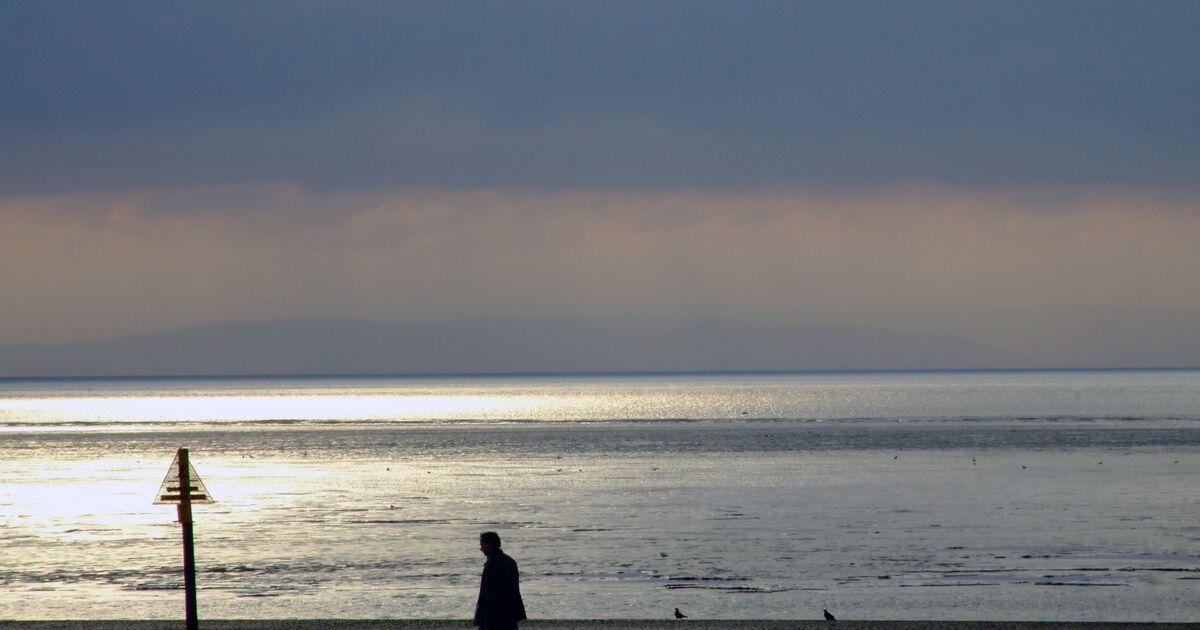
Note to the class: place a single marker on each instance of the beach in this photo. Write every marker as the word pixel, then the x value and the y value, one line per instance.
pixel 590 624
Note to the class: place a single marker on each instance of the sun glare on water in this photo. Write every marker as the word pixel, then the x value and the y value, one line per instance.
pixel 267 406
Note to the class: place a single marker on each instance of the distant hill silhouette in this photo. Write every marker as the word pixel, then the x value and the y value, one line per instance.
pixel 343 346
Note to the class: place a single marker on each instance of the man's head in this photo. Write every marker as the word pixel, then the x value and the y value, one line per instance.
pixel 489 543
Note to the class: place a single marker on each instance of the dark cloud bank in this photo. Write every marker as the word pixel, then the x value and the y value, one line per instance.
pixel 481 346
pixel 341 346
pixel 607 94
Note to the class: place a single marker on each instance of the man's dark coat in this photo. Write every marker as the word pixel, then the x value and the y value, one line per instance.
pixel 500 606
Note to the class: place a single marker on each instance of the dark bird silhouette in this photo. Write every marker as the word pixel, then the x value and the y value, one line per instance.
pixel 828 616
pixel 679 615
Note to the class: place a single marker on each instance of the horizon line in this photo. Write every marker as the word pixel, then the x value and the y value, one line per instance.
pixel 585 374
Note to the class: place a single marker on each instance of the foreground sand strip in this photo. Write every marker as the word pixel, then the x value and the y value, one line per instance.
pixel 569 624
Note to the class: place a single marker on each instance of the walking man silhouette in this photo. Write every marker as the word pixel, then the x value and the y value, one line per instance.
pixel 499 606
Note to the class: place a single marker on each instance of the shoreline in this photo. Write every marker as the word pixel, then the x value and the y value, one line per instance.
pixel 587 624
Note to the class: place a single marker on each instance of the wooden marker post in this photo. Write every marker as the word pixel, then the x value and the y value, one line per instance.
pixel 189 547
pixel 183 487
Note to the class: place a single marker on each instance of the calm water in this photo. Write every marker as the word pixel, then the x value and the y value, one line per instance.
pixel 1010 495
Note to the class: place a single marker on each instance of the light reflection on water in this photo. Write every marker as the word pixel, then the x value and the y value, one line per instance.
pixel 1136 394
pixel 253 406
pixel 728 517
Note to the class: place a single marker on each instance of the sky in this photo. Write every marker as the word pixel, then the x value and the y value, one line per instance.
pixel 1022 175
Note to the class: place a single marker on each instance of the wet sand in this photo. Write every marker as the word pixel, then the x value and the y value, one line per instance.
pixel 569 624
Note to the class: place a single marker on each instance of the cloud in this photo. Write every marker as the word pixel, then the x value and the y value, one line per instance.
pixel 523 95
pixel 997 269
pixel 1002 172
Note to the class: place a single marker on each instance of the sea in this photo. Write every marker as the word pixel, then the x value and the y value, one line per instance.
pixel 1007 495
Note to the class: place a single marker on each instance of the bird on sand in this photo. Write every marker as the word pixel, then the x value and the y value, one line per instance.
pixel 679 615
pixel 828 616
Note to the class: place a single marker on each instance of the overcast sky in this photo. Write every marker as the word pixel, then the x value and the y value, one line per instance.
pixel 1007 172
